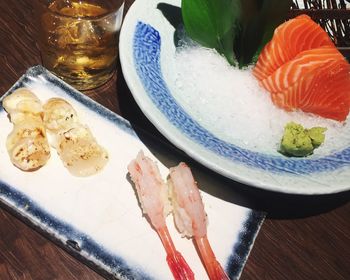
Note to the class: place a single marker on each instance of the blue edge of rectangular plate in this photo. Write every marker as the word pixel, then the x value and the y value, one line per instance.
pixel 79 244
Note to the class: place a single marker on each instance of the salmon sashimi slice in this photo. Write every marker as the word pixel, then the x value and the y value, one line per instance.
pixel 312 94
pixel 289 39
pixel 302 69
pixel 305 62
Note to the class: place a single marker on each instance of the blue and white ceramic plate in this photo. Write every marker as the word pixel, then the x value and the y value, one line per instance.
pixel 98 217
pixel 147 53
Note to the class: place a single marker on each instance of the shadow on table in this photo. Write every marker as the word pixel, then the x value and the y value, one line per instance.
pixel 277 205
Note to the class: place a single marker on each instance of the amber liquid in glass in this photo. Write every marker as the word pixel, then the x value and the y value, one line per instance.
pixel 77 46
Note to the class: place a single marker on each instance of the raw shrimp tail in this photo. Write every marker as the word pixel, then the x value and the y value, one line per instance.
pixel 179 267
pixel 176 262
pixel 212 266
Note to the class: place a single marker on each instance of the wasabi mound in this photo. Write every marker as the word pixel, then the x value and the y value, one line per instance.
pixel 298 141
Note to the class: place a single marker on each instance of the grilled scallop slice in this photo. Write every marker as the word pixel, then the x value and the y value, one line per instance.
pixel 75 144
pixel 17 100
pixel 80 152
pixel 22 103
pixel 27 145
pixel 59 115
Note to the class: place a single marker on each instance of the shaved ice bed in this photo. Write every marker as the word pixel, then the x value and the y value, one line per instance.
pixel 230 104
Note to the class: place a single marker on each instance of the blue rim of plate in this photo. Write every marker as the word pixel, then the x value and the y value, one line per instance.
pixel 144 48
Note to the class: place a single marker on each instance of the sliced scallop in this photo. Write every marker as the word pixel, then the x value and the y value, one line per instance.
pixel 59 115
pixel 80 152
pixel 22 103
pixel 27 145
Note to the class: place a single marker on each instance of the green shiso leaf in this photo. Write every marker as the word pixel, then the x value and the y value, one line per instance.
pixel 259 19
pixel 237 29
pixel 212 23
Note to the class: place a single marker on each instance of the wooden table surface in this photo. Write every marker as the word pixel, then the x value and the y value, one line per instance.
pixel 302 238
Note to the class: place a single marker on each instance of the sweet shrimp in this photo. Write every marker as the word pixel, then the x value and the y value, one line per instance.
pixel 190 217
pixel 153 196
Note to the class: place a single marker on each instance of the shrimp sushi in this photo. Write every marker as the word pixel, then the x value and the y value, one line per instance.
pixel 190 217
pixel 152 193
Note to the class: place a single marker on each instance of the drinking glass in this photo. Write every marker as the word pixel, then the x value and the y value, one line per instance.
pixel 78 39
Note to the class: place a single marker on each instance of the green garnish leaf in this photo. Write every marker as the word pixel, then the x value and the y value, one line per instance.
pixel 237 29
pixel 259 19
pixel 212 23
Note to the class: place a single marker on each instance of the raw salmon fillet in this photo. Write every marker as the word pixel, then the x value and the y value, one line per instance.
pixel 293 70
pixel 324 92
pixel 289 39
pixel 302 69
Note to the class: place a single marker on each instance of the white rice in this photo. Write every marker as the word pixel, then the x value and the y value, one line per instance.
pixel 229 103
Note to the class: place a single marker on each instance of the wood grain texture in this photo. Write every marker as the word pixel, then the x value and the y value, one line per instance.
pixel 302 238
pixel 309 248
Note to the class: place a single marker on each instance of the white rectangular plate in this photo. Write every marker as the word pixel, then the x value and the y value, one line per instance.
pixel 98 218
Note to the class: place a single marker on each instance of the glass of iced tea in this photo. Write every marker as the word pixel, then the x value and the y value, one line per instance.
pixel 78 39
